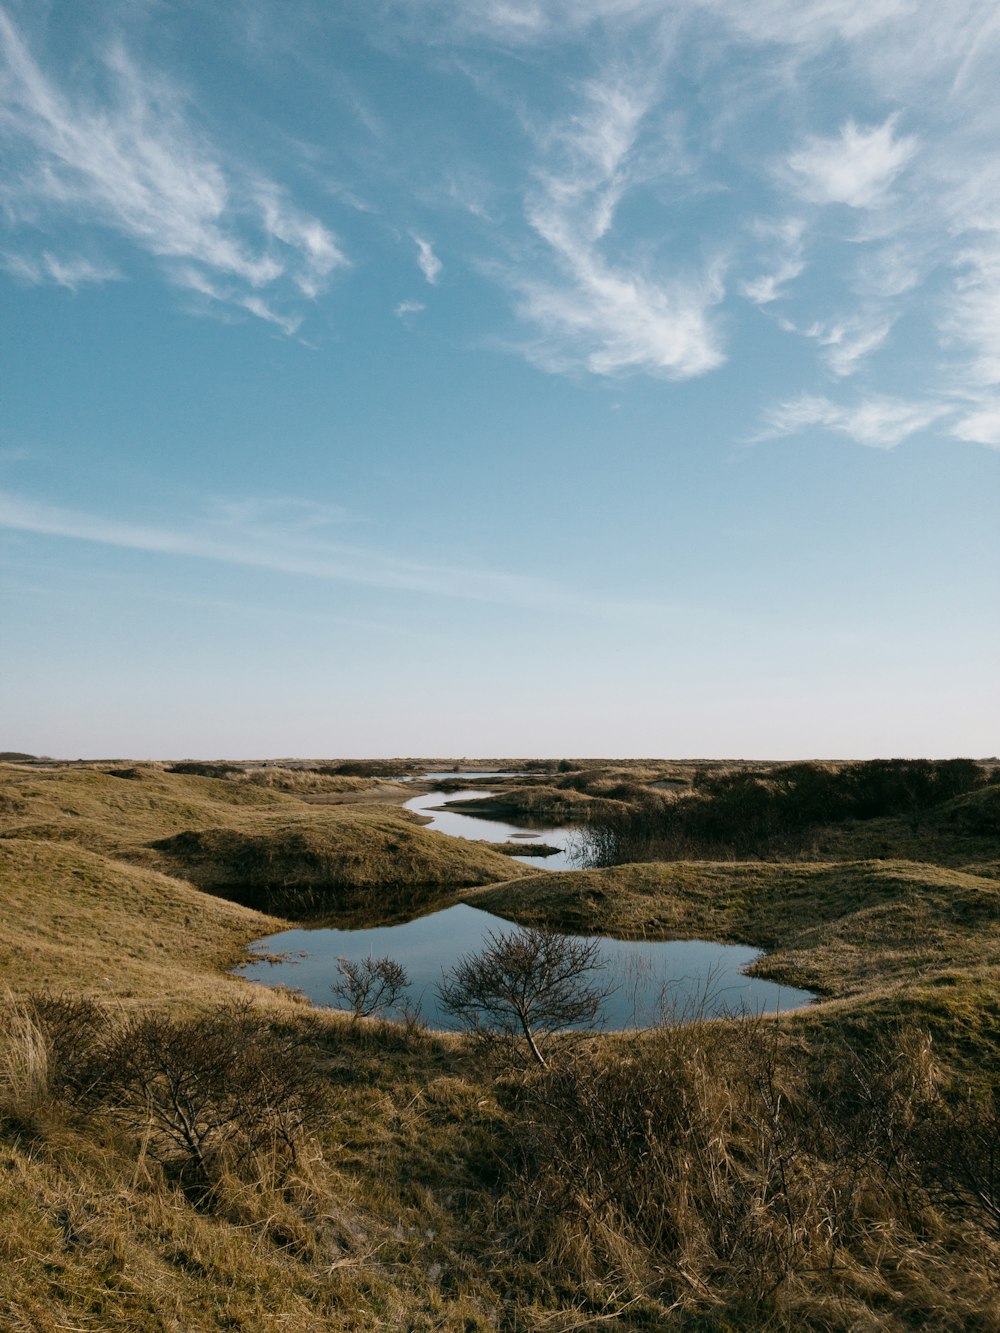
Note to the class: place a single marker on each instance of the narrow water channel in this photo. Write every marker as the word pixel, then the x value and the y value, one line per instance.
pixel 569 841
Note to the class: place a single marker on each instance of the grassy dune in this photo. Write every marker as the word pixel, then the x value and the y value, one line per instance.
pixel 963 832
pixel 266 847
pixel 842 928
pixel 76 920
pixel 723 1177
pixel 346 850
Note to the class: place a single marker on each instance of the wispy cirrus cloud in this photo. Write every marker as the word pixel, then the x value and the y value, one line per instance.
pixel 972 318
pixel 855 167
pixel 609 315
pixel 981 425
pixel 846 342
pixel 70 271
pixel 615 262
pixel 877 421
pixel 614 214
pixel 788 262
pixel 427 261
pixel 287 536
pixel 133 162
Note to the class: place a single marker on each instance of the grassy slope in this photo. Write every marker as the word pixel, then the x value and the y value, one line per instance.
pixel 886 941
pixel 93 1239
pixel 75 920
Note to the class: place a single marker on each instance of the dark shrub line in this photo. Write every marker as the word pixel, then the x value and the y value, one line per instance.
pixel 747 812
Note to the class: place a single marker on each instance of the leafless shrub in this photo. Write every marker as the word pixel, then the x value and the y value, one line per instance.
pixel 960 1150
pixel 370 986
pixel 525 985
pixel 226 1086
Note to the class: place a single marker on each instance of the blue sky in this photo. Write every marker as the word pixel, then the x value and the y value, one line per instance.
pixel 500 377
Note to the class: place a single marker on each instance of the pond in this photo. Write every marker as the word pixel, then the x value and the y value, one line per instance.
pixel 568 840
pixel 652 978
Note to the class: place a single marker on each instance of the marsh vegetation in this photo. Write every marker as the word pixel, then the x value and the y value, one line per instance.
pixel 180 1149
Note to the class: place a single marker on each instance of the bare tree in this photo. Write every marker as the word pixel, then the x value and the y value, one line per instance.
pixel 525 984
pixel 227 1082
pixel 371 985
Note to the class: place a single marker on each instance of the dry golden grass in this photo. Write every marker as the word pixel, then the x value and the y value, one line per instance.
pixel 75 920
pixel 841 928
pixel 419 1205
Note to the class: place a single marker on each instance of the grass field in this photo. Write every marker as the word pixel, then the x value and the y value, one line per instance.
pixel 829 1171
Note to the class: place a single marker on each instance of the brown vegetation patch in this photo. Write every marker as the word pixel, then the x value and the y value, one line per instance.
pixel 340 859
pixel 843 928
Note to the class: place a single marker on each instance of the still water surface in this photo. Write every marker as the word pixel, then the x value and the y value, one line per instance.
pixel 652 978
pixel 568 840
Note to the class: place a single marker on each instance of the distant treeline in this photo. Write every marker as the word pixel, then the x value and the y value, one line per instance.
pixel 749 812
pixel 353 768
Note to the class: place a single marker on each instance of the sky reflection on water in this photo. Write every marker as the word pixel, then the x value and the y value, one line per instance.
pixel 569 840
pixel 650 976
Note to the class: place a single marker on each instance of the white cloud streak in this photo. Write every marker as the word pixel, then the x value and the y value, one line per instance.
pixel 981 425
pixel 72 272
pixel 877 421
pixel 847 342
pixel 788 266
pixel 134 163
pixel 973 314
pixel 609 317
pixel 285 539
pixel 427 261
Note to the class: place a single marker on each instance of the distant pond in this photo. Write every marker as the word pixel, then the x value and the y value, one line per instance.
pixel 570 841
pixel 652 978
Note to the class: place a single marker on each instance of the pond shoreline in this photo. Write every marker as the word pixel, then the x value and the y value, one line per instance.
pixel 650 981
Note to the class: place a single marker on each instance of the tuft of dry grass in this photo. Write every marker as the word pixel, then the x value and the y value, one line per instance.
pixel 24 1065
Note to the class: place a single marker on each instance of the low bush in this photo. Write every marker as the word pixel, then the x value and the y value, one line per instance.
pixel 371 768
pixel 204 1094
pixel 370 986
pixel 196 768
pixel 714 1167
pixel 524 989
pixel 220 1087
